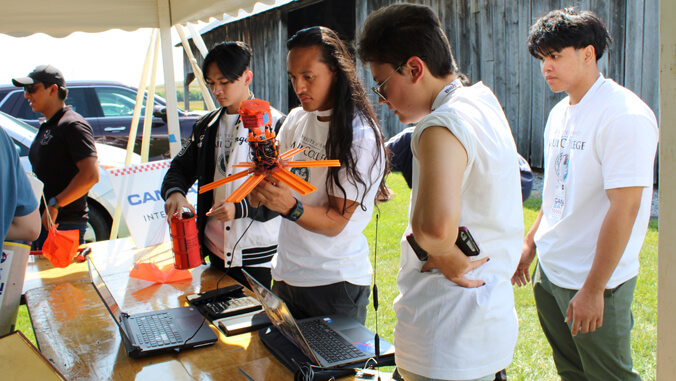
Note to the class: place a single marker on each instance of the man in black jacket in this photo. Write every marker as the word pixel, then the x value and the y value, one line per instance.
pixel 218 141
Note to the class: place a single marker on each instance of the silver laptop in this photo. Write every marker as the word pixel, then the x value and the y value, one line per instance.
pixel 150 333
pixel 328 341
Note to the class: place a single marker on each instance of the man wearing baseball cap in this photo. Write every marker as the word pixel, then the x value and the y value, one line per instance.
pixel 63 154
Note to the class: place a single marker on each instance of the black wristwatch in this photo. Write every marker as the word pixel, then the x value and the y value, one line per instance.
pixel 52 202
pixel 295 212
pixel 419 251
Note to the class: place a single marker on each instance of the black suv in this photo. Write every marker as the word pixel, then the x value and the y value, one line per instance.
pixel 108 107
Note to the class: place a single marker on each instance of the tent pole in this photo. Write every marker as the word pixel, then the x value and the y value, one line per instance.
pixel 197 39
pixel 195 68
pixel 164 15
pixel 114 229
pixel 150 108
pixel 139 98
pixel 666 246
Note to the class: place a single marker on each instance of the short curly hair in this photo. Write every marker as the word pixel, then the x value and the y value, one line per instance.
pixel 563 28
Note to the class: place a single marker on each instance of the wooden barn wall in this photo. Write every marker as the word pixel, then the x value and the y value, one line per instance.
pixel 266 34
pixel 488 38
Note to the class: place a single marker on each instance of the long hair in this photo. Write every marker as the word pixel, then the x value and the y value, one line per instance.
pixel 350 100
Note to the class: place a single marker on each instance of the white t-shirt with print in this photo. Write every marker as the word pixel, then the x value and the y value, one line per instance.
pixel 612 145
pixel 307 259
pixel 443 330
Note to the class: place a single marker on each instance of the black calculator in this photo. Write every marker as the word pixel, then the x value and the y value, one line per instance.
pixel 232 306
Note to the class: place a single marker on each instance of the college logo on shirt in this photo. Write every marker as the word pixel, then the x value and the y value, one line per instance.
pixel 561 167
pixel 222 161
pixel 46 138
pixel 302 172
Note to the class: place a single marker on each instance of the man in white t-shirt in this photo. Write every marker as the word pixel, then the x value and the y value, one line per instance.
pixel 600 145
pixel 455 312
pixel 322 266
pixel 218 141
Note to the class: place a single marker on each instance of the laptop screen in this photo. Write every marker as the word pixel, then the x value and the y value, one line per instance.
pixel 280 316
pixel 104 292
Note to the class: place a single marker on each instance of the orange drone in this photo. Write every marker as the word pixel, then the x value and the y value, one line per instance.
pixel 255 114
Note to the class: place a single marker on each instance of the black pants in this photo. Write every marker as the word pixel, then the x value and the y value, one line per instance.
pixel 261 274
pixel 331 299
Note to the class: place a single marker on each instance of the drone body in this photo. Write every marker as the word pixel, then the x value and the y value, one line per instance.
pixel 266 160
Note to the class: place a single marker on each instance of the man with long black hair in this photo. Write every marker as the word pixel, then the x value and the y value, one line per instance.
pixel 218 141
pixel 322 265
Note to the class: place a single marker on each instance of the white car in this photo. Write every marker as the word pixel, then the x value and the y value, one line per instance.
pixel 101 199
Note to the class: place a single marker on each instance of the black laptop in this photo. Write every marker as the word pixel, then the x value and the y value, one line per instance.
pixel 328 341
pixel 156 332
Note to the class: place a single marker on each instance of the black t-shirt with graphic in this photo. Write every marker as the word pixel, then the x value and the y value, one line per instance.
pixel 61 142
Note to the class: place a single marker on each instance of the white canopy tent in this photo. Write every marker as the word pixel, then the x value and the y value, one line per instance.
pixel 61 18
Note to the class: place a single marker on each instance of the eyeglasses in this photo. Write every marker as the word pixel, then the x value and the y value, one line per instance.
pixel 32 88
pixel 378 90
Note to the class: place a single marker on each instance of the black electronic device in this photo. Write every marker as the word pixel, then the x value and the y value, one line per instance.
pixel 465 242
pixel 154 332
pixel 235 290
pixel 231 306
pixel 250 321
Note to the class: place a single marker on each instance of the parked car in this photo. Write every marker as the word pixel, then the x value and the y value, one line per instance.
pixel 108 107
pixel 101 198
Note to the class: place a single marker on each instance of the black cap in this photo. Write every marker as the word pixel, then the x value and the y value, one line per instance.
pixel 44 73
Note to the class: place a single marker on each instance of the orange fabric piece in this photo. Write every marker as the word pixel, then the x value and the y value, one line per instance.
pixel 167 274
pixel 60 247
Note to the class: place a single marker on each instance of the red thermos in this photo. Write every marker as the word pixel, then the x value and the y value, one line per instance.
pixel 184 241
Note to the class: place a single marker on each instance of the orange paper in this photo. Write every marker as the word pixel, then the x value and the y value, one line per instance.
pixel 167 274
pixel 60 247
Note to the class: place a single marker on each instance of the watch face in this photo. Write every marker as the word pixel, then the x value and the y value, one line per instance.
pixel 52 202
pixel 296 212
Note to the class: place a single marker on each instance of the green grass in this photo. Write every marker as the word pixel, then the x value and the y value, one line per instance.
pixel 23 324
pixel 532 357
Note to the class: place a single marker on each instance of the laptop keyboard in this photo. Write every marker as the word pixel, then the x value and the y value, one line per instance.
pixel 157 330
pixel 327 342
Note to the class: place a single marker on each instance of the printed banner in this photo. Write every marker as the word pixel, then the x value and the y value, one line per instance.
pixel 137 190
pixel 12 272
pixel 5 265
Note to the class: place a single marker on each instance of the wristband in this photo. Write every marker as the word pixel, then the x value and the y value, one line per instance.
pixel 419 251
pixel 295 212
pixel 52 202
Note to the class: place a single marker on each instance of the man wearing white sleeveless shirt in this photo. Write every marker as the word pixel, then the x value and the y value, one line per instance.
pixel 455 314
